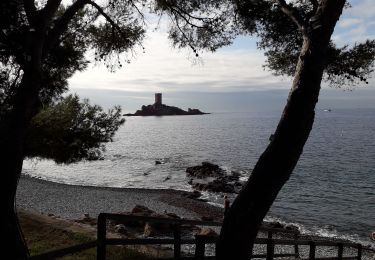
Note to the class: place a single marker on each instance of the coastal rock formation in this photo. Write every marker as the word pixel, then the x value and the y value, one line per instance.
pixel 210 177
pixel 205 170
pixel 153 229
pixel 159 109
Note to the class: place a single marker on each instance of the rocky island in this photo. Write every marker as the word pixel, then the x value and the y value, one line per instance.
pixel 160 109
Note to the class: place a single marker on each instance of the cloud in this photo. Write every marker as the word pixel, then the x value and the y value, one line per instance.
pixel 363 8
pixel 234 68
pixel 163 68
pixel 357 23
pixel 349 22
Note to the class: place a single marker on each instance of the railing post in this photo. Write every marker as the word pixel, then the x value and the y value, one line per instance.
pixel 270 248
pixel 359 255
pixel 101 236
pixel 200 247
pixel 177 241
pixel 340 251
pixel 312 250
pixel 270 234
pixel 296 248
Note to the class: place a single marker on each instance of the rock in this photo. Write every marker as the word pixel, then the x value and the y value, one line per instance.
pixel 121 229
pixel 276 225
pixel 148 230
pixel 207 218
pixel 87 220
pixel 164 110
pixel 172 215
pixel 217 185
pixel 192 195
pixel 205 170
pixel 140 210
pixel 209 232
pixel 155 228
pixel 210 177
pixel 157 162
pixel 292 227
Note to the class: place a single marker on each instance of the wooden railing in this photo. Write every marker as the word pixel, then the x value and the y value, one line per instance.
pixel 176 241
pixel 200 241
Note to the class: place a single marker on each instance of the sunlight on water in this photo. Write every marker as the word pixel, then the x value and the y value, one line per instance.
pixel 331 191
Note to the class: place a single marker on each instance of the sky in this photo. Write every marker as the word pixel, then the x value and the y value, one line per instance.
pixel 231 79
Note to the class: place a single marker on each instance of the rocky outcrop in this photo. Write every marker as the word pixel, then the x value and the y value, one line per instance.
pixel 210 177
pixel 164 110
pixel 205 170
pixel 153 229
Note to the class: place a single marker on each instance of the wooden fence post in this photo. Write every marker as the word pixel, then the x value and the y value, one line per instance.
pixel 340 251
pixel 270 248
pixel 101 235
pixel 359 255
pixel 296 248
pixel 312 250
pixel 177 241
pixel 200 247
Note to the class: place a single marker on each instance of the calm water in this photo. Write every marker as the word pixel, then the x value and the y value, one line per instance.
pixel 332 190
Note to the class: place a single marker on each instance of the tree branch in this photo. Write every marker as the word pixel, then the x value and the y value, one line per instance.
pixel 18 73
pixel 30 11
pixel 315 5
pixel 62 23
pixel 293 14
pixel 182 14
pixel 139 11
pixel 46 14
pixel 106 16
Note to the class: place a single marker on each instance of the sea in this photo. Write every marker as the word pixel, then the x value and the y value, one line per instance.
pixel 331 192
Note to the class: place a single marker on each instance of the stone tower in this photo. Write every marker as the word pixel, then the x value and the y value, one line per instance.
pixel 158 100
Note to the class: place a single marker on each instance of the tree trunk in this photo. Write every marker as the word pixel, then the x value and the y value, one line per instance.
pixel 13 127
pixel 277 162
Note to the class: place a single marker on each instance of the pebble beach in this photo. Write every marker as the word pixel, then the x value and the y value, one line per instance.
pixel 73 201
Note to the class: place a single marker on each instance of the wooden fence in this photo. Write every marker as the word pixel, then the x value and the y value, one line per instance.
pixel 200 241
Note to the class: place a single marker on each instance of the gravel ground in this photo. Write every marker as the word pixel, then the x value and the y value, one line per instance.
pixel 71 202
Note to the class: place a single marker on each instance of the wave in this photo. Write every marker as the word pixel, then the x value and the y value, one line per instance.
pixel 326 232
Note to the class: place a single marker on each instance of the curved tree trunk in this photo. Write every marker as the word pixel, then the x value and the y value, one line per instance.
pixel 277 162
pixel 13 127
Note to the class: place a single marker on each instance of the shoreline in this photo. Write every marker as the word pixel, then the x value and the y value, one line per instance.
pixel 73 201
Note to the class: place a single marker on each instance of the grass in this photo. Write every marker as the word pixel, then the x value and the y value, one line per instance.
pixel 42 236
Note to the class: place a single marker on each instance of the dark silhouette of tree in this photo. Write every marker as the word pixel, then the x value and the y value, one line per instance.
pixel 42 44
pixel 70 130
pixel 296 38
